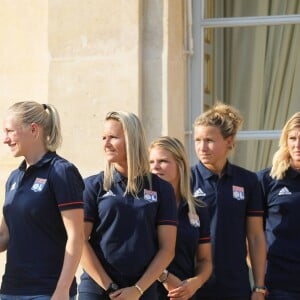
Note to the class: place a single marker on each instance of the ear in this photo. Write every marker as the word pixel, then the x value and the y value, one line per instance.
pixel 35 129
pixel 230 142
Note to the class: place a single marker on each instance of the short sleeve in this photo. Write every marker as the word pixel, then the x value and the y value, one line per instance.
pixel 204 230
pixel 67 185
pixel 167 210
pixel 93 187
pixel 255 205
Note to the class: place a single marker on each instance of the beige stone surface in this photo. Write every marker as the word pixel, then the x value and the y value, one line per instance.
pixel 94 68
pixel 164 63
pixel 23 66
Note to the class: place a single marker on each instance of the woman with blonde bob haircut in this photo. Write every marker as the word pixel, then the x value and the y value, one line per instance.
pixel 281 187
pixel 130 218
pixel 192 264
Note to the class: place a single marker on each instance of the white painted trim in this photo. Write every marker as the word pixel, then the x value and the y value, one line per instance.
pixel 259 135
pixel 250 21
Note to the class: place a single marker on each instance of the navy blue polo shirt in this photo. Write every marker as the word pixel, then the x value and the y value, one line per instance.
pixel 231 198
pixel 124 235
pixel 282 199
pixel 37 236
pixel 189 236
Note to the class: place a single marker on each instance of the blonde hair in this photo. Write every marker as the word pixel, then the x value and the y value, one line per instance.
pixel 176 148
pixel 223 116
pixel 45 115
pixel 136 153
pixel 282 159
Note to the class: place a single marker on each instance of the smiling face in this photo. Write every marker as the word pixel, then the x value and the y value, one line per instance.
pixel 114 144
pixel 163 164
pixel 293 144
pixel 17 136
pixel 211 147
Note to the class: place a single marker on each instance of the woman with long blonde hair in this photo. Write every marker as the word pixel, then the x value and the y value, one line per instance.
pixel 192 265
pixel 130 218
pixel 281 188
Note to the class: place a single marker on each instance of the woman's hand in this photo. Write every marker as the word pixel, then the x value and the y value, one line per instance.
pixel 172 282
pixel 128 293
pixel 61 294
pixel 185 290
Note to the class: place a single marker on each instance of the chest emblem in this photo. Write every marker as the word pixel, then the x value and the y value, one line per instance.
pixel 284 191
pixel 109 193
pixel 238 192
pixel 38 184
pixel 13 186
pixel 150 196
pixel 199 193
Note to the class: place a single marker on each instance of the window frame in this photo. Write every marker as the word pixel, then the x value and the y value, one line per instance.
pixel 196 65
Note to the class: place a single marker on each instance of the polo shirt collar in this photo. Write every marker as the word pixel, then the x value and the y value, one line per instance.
pixel 44 160
pixel 118 177
pixel 292 173
pixel 206 173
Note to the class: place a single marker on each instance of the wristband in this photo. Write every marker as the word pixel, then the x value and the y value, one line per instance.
pixel 259 289
pixel 112 288
pixel 164 276
pixel 139 289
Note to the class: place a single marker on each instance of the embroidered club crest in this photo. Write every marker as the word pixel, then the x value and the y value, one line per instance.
pixel 238 192
pixel 38 184
pixel 150 196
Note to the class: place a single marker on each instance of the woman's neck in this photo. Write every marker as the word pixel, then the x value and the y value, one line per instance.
pixel 216 168
pixel 295 165
pixel 122 169
pixel 33 158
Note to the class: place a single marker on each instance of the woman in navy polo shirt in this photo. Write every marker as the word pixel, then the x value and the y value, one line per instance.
pixel 130 218
pixel 234 198
pixel 281 187
pixel 192 264
pixel 42 227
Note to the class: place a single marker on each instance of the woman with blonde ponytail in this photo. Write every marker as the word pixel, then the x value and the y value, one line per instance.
pixel 42 227
pixel 281 188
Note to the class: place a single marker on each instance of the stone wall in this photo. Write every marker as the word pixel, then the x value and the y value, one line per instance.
pixel 90 57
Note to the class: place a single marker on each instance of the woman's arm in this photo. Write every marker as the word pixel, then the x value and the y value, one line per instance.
pixel 204 266
pixel 73 222
pixel 257 252
pixel 90 262
pixel 4 235
pixel 188 287
pixel 165 254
